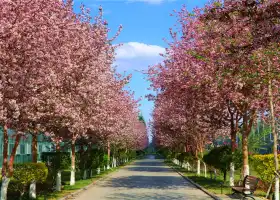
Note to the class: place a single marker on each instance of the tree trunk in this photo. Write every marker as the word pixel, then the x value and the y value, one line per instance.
pixel 5 151
pixel 109 151
pixel 58 174
pixel 72 178
pixel 246 170
pixel 58 181
pixel 231 174
pixel 4 187
pixel 225 176
pixel 233 127
pixel 6 178
pixel 85 174
pixel 34 148
pixel 205 170
pixel 247 125
pixel 198 167
pixel 32 188
pixel 13 154
pixel 275 136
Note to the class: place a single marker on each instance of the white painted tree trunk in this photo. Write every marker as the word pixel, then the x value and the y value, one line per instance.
pixel 246 170
pixel 108 167
pixel 72 177
pixel 231 174
pixel 198 167
pixel 32 190
pixel 205 170
pixel 215 174
pixel 245 173
pixel 85 174
pixel 188 166
pixel 91 173
pixel 98 170
pixel 4 187
pixel 276 188
pixel 115 162
pixel 104 168
pixel 58 181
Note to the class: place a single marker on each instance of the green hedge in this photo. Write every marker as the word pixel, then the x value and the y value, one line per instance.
pixel 264 166
pixel 56 160
pixel 26 173
pixel 185 157
pixel 219 158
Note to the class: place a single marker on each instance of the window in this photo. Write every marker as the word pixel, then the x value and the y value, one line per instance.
pixel 28 148
pixel 40 148
pixel 10 148
pixel 18 149
pixel 22 149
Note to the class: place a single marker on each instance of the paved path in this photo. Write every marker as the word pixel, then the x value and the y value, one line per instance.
pixel 147 179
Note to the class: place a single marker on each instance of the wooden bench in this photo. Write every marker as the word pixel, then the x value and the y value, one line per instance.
pixel 247 188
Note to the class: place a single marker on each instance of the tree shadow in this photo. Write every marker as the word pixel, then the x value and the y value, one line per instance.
pixel 148 182
pixel 153 196
pixel 149 169
pixel 147 163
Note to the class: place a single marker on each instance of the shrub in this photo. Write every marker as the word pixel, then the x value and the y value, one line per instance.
pixel 185 157
pixel 264 166
pixel 219 158
pixel 26 173
pixel 56 160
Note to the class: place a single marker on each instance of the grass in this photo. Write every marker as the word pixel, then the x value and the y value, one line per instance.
pixel 79 184
pixel 212 185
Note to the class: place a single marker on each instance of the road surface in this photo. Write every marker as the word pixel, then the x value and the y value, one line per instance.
pixel 147 179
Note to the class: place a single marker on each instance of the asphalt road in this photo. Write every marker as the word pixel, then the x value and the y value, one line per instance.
pixel 147 179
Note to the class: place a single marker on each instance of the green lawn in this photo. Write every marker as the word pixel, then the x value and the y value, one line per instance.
pixel 213 186
pixel 67 189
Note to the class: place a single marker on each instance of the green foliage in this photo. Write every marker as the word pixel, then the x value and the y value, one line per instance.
pixel 131 155
pixel 237 159
pixel 185 157
pixel 105 160
pixel 257 139
pixel 165 152
pixel 264 166
pixel 56 160
pixel 141 118
pixel 219 158
pixel 140 153
pixel 26 173
pixel 95 158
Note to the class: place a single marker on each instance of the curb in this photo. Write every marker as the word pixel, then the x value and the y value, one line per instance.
pixel 196 185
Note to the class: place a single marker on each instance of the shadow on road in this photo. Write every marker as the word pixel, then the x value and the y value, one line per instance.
pixel 147 163
pixel 148 182
pixel 149 169
pixel 149 196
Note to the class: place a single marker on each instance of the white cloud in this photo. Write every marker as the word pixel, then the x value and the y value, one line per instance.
pixel 136 49
pixel 137 56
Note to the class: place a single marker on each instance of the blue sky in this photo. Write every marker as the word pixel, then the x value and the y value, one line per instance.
pixel 145 24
